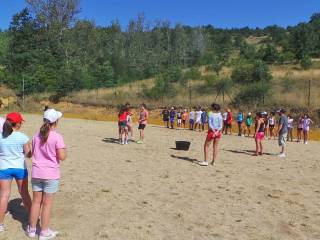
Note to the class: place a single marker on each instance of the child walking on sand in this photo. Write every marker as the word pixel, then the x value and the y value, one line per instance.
pixel 259 134
pixel 198 119
pixel 14 148
pixel 48 149
pixel 306 128
pixel 214 134
pixel 143 119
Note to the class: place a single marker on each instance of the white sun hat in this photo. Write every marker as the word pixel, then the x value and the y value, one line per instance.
pixel 52 115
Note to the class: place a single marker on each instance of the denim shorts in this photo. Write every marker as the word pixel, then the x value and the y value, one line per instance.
pixel 16 173
pixel 45 185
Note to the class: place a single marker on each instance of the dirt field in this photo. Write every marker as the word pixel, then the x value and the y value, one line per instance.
pixel 152 191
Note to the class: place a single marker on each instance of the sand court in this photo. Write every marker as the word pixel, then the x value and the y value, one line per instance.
pixel 152 191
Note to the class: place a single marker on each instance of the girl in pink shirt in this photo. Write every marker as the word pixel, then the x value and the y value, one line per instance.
pixel 143 118
pixel 48 149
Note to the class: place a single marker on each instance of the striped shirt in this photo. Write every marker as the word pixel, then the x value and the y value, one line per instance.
pixel 11 151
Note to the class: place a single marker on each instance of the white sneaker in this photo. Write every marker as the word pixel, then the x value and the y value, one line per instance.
pixel 30 232
pixel 306 142
pixel 2 228
pixel 126 142
pixel 203 163
pixel 282 155
pixel 49 235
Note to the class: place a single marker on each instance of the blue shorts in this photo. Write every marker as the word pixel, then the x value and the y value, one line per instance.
pixel 45 185
pixel 13 173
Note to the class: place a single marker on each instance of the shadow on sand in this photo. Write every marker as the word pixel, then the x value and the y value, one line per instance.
pixel 193 160
pixel 111 140
pixel 18 212
pixel 247 152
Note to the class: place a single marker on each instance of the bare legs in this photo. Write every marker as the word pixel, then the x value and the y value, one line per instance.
pixel 5 190
pixel 215 150
pixel 259 148
pixel 41 206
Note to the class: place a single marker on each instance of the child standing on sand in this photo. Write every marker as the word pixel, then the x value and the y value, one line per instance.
pixel 184 118
pixel 203 119
pixel 14 148
pixel 129 120
pixel 271 124
pixel 249 121
pixel 198 119
pixel 165 117
pixel 122 121
pixel 300 128
pixel 240 119
pixel 143 119
pixel 179 117
pixel 48 149
pixel 229 122
pixel 172 115
pixel 306 128
pixel 259 134
pixel 290 128
pixel 191 119
pixel 214 134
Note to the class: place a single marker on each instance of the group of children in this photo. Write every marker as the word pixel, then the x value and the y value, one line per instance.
pixel 196 119
pixel 125 123
pixel 245 124
pixel 46 150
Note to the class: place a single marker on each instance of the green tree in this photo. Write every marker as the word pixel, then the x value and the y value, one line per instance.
pixel 306 62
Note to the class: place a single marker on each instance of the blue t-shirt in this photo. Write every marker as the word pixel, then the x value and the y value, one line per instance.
pixel 240 117
pixel 11 151
pixel 203 117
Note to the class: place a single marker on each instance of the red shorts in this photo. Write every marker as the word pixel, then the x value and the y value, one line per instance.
pixel 213 134
pixel 260 135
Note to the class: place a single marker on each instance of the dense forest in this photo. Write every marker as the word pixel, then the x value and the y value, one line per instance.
pixel 54 51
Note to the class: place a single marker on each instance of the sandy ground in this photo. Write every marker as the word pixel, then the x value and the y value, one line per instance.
pixel 152 191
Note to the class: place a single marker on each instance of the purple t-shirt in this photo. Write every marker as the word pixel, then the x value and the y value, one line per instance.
pixel 45 162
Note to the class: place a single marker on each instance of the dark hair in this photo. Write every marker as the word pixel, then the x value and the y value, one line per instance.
pixel 215 107
pixel 144 105
pixel 46 108
pixel 283 111
pixel 45 130
pixel 259 114
pixel 122 110
pixel 7 128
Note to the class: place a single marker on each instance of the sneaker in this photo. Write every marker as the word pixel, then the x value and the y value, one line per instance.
pixel 50 234
pixel 203 163
pixel 139 142
pixel 282 155
pixel 2 228
pixel 306 142
pixel 126 142
pixel 31 233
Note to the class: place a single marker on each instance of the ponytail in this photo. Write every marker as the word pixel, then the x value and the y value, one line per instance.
pixel 44 131
pixel 7 128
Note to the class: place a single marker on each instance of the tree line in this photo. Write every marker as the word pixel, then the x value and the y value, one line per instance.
pixel 54 51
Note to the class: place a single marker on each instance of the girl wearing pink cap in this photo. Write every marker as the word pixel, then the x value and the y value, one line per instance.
pixel 14 148
pixel 48 149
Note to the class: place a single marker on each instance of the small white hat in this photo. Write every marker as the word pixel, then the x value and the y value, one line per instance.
pixel 52 115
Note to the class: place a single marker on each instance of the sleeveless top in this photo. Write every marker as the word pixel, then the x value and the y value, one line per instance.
pixel 261 127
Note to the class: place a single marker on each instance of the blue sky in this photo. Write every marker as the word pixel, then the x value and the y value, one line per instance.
pixel 220 13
